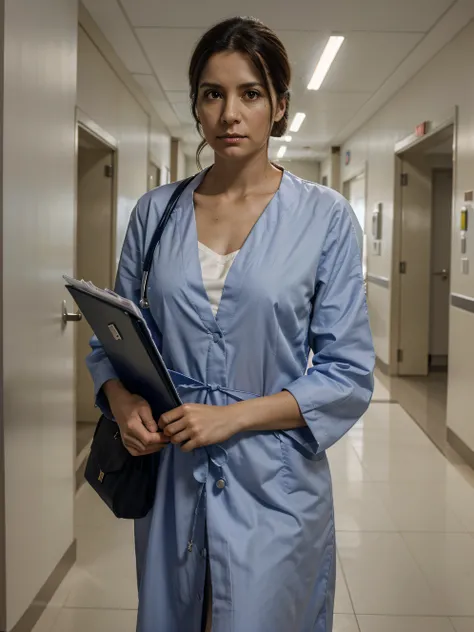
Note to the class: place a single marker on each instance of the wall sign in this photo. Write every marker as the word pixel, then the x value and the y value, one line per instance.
pixel 377 229
pixel 421 129
pixel 464 228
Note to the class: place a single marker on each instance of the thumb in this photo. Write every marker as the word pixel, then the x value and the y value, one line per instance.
pixel 147 419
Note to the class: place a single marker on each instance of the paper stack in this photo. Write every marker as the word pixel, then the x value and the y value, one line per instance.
pixel 106 295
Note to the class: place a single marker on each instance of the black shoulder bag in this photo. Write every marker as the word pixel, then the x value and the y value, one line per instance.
pixel 127 483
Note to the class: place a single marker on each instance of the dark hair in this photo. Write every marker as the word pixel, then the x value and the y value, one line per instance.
pixel 264 48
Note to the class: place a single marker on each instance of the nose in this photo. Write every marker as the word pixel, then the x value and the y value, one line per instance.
pixel 230 111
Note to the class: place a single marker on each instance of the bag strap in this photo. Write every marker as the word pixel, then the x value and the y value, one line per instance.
pixel 155 240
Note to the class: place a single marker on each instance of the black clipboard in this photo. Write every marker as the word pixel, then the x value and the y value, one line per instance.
pixel 128 345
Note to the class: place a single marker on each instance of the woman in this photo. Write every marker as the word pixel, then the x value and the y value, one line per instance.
pixel 255 268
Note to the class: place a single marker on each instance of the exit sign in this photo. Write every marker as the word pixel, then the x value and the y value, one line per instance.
pixel 421 129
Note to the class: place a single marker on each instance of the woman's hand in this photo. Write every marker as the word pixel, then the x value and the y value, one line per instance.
pixel 133 415
pixel 198 425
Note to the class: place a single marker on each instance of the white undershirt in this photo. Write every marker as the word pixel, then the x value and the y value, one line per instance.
pixel 214 269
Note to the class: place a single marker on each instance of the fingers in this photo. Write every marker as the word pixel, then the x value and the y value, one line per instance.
pixel 133 446
pixel 181 437
pixel 139 441
pixel 136 448
pixel 191 445
pixel 141 452
pixel 144 411
pixel 137 430
pixel 173 415
pixel 171 429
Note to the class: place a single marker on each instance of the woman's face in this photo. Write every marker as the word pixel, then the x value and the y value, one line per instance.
pixel 234 108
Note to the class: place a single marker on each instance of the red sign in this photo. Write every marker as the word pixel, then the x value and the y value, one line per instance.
pixel 421 129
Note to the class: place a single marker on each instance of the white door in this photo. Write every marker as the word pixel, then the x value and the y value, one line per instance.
pixel 357 201
pixel 440 262
pixel 153 176
pixel 94 249
pixel 415 272
pixel 357 198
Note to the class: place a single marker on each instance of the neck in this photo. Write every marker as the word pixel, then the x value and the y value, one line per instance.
pixel 240 177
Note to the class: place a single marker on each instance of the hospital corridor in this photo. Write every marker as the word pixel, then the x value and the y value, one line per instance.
pixel 405 537
pixel 269 426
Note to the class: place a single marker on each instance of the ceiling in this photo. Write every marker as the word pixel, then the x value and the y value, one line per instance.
pixel 387 42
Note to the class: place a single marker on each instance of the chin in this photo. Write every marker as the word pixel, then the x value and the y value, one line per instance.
pixel 235 153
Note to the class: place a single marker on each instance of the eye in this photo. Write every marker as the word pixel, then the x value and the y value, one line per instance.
pixel 253 95
pixel 212 95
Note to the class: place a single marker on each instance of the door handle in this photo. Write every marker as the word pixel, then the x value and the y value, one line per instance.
pixel 444 274
pixel 68 317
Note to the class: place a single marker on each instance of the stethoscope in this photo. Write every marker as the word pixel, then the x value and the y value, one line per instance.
pixel 144 303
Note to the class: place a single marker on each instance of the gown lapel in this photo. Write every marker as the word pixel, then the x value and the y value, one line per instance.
pixel 237 272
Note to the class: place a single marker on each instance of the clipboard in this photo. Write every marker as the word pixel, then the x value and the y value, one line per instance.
pixel 129 346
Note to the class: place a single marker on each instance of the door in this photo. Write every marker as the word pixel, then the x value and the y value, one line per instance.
pixel 440 263
pixel 94 248
pixel 154 176
pixel 415 257
pixel 357 201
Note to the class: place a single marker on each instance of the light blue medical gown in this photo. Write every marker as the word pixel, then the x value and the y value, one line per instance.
pixel 265 497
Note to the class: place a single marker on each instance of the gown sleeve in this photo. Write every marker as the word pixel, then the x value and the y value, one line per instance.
pixel 127 284
pixel 338 387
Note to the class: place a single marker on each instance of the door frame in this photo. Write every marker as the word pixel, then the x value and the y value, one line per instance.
pixel 83 121
pixel 438 124
pixel 153 162
pixel 362 172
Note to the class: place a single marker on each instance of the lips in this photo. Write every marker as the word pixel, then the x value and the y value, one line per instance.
pixel 231 136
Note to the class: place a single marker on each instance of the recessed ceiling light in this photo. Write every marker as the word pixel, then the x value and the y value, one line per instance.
pixel 287 139
pixel 281 151
pixel 328 56
pixel 297 121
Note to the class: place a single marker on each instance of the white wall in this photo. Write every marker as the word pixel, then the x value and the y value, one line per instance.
pixel 326 170
pixel 160 142
pixel 442 84
pixel 305 169
pixel 43 81
pixel 39 94
pixel 109 103
pixel 190 165
pixel 330 169
pixel 181 171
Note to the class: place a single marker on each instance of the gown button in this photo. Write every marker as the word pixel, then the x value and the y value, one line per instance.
pixel 216 337
pixel 220 483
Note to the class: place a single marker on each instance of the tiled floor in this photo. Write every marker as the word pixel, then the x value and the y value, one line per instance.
pixel 405 522
pixel 424 398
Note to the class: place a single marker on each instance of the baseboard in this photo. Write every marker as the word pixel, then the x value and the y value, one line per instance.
pixel 461 448
pixel 44 596
pixel 438 363
pixel 382 366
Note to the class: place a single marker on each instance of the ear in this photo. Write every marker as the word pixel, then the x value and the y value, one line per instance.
pixel 280 109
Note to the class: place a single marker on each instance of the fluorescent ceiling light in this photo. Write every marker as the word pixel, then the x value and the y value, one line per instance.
pixel 297 121
pixel 328 56
pixel 287 139
pixel 281 151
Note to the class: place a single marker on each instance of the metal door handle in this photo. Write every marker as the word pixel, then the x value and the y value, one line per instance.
pixel 69 317
pixel 444 274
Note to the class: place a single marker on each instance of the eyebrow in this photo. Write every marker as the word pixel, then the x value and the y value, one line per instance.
pixel 250 84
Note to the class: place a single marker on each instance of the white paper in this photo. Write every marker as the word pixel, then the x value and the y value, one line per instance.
pixel 106 295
